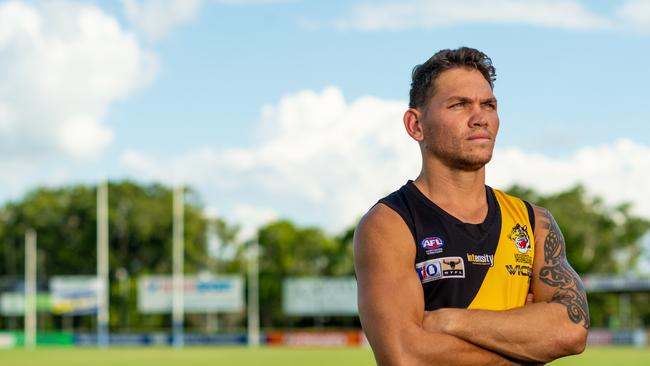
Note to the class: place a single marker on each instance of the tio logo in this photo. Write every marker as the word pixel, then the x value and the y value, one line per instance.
pixel 429 270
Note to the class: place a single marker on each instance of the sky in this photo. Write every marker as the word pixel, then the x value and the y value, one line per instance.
pixel 293 109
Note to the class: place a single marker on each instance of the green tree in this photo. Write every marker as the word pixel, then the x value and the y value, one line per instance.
pixel 140 238
pixel 340 259
pixel 230 256
pixel 287 250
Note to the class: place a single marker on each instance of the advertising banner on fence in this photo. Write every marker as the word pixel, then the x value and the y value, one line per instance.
pixel 13 303
pixel 201 294
pixel 316 338
pixel 7 340
pixel 74 295
pixel 315 296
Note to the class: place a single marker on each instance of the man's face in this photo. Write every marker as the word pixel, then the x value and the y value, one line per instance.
pixel 460 121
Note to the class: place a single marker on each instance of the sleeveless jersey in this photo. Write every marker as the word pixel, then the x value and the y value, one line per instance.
pixel 483 266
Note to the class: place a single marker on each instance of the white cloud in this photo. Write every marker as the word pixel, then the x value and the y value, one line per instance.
pixel 635 14
pixel 61 66
pixel 618 172
pixel 317 158
pixel 156 18
pixel 562 14
pixel 248 217
pixel 251 217
pixel 320 159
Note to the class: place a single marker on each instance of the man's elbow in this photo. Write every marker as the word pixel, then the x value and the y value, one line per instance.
pixel 565 340
pixel 570 341
pixel 576 340
pixel 394 357
pixel 402 351
pixel 391 360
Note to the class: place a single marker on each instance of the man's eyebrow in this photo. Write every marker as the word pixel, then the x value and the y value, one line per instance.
pixel 459 98
pixel 468 99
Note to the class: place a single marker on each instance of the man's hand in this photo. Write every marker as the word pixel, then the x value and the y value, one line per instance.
pixel 439 321
pixel 530 298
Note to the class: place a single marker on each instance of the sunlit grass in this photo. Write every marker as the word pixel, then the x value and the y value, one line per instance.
pixel 266 356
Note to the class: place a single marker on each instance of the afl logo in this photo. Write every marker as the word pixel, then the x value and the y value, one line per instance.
pixel 433 242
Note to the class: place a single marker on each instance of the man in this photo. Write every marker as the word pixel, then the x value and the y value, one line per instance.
pixel 450 271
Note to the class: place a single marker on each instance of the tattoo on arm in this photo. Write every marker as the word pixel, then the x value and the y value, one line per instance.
pixel 557 273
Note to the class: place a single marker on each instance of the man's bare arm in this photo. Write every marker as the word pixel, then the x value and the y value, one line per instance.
pixel 560 281
pixel 555 326
pixel 391 301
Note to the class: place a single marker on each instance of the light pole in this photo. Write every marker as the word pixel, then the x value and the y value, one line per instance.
pixel 177 259
pixel 253 295
pixel 30 289
pixel 102 266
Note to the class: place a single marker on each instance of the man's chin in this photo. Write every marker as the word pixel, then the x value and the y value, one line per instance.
pixel 469 165
pixel 468 162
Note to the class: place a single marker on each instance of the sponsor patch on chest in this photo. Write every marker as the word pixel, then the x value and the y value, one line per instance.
pixel 519 270
pixel 440 268
pixel 481 259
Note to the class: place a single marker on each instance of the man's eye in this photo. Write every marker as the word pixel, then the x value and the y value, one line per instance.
pixel 491 106
pixel 458 105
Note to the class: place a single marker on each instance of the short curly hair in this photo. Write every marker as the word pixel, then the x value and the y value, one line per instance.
pixel 425 75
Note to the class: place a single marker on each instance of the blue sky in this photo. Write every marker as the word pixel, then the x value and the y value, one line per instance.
pixel 293 108
pixel 232 59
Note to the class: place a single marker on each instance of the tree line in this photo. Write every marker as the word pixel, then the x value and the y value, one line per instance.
pixel 600 240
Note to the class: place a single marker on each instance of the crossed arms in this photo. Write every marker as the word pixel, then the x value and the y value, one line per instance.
pixel 391 304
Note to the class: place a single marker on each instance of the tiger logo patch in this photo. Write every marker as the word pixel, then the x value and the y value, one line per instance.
pixel 519 235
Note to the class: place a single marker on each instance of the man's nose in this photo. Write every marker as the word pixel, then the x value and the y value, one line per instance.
pixel 479 118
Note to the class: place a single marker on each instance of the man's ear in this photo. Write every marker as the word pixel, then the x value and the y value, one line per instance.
pixel 413 125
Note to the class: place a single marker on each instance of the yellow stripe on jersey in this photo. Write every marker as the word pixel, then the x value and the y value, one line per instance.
pixel 506 283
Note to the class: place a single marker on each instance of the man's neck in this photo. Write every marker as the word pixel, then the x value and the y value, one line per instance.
pixel 460 193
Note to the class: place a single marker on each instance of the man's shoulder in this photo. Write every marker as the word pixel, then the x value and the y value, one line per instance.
pixel 382 238
pixel 380 217
pixel 380 226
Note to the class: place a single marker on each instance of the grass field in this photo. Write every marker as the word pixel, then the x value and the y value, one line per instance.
pixel 267 356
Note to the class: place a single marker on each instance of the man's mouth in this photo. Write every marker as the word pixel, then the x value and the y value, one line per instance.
pixel 480 137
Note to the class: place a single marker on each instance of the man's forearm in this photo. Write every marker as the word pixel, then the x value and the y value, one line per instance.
pixel 537 333
pixel 427 348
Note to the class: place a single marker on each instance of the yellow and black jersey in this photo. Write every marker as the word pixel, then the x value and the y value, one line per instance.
pixel 475 266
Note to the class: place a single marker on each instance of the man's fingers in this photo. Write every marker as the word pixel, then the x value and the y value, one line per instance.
pixel 529 298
